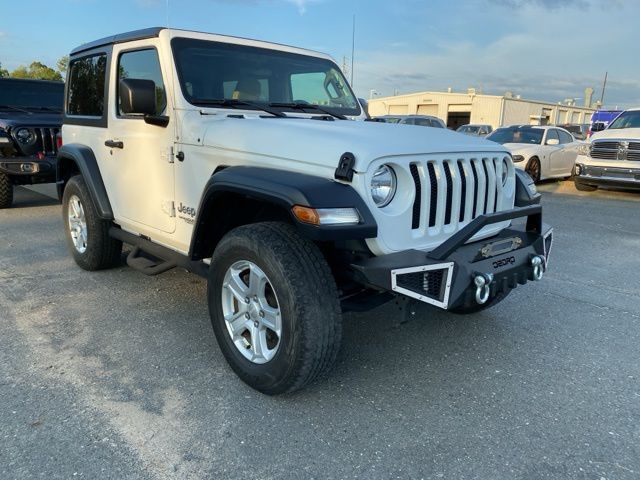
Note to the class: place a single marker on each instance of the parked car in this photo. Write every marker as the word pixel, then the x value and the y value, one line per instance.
pixel 292 211
pixel 542 151
pixel 475 129
pixel 421 120
pixel 30 120
pixel 580 131
pixel 611 157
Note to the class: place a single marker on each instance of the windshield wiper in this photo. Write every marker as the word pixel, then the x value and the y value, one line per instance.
pixel 13 107
pixel 308 106
pixel 48 109
pixel 237 103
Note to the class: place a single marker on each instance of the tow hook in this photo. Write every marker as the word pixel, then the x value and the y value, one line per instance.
pixel 538 269
pixel 482 281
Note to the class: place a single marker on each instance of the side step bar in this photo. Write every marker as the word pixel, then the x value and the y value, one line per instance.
pixel 153 259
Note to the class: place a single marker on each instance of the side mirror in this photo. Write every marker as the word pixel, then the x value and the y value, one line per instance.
pixel 597 127
pixel 137 96
pixel 553 141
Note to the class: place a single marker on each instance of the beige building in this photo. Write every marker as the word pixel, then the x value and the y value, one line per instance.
pixel 461 108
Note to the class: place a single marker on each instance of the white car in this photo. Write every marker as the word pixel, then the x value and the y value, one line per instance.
pixel 542 151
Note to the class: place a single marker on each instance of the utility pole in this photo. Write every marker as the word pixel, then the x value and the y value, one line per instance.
pixel 604 85
pixel 353 46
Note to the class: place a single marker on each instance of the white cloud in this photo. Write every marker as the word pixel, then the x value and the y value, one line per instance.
pixel 301 5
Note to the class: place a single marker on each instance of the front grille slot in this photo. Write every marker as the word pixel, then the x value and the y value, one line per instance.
pixel 449 204
pixel 415 220
pixel 433 204
pixel 463 190
pixel 423 283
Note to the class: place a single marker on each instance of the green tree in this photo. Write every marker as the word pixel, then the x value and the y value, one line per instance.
pixel 63 64
pixel 36 70
pixel 3 72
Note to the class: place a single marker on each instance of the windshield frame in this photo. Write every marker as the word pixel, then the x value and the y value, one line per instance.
pixel 356 111
pixel 634 114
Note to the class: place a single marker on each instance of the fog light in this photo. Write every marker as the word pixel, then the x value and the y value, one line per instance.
pixel 29 168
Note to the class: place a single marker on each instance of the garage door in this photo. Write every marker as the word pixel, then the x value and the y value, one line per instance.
pixel 428 110
pixel 398 109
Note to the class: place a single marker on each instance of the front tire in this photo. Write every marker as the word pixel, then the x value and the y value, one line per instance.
pixel 274 307
pixel 6 191
pixel 87 234
pixel 533 168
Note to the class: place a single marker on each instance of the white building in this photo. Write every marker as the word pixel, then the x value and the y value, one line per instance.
pixel 461 108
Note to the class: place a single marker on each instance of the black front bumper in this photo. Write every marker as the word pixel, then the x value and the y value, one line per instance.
pixel 29 169
pixel 445 277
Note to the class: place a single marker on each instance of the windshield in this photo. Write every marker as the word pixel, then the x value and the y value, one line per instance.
pixel 32 94
pixel 211 71
pixel 517 135
pixel 630 119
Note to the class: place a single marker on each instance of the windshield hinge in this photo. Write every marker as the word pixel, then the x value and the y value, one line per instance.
pixel 169 207
pixel 345 167
pixel 167 155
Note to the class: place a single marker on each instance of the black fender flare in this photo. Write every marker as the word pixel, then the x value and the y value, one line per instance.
pixel 286 189
pixel 83 157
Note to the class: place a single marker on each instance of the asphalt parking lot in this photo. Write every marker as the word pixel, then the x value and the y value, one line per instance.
pixel 117 375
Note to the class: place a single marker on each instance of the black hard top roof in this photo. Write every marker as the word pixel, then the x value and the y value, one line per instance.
pixel 30 80
pixel 119 38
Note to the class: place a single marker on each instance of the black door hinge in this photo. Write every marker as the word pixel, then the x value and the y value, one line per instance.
pixel 345 167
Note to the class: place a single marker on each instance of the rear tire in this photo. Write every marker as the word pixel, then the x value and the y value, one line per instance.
pixel 478 308
pixel 6 191
pixel 87 234
pixel 533 168
pixel 583 187
pixel 302 329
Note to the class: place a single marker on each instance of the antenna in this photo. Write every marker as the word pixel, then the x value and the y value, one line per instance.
pixel 353 46
pixel 167 10
pixel 604 85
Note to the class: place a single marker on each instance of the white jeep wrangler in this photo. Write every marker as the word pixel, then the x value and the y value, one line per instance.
pixel 252 165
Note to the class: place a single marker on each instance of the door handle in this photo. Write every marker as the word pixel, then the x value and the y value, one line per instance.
pixel 113 144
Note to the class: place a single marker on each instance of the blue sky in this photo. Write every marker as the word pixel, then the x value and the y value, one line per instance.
pixel 540 49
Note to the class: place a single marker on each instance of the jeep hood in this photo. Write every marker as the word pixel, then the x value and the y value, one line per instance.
pixel 322 142
pixel 621 133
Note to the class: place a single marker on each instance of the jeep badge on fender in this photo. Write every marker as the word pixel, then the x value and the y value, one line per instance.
pixel 292 206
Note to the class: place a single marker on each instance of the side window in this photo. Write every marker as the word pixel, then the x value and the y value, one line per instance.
pixel 144 65
pixel 565 137
pixel 551 134
pixel 86 86
pixel 423 122
pixel 407 121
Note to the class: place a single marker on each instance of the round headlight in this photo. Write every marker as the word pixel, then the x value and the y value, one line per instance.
pixel 383 185
pixel 26 136
pixel 505 171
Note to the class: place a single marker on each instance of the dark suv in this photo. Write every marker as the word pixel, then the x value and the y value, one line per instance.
pixel 30 120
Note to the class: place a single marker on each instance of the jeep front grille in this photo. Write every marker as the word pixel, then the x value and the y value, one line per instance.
pixel 615 150
pixel 451 192
pixel 45 140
